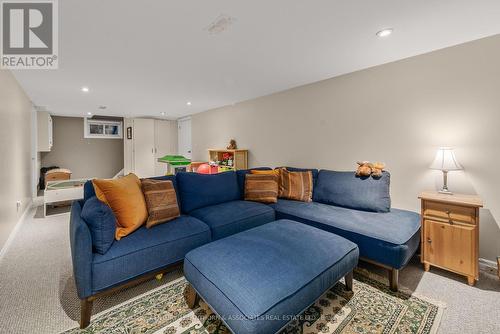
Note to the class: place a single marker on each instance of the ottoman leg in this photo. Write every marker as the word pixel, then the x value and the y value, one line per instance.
pixel 348 281
pixel 192 297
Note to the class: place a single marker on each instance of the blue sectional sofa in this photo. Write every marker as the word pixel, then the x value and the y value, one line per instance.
pixel 212 208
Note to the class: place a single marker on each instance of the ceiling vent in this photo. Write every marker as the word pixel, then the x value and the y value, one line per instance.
pixel 220 24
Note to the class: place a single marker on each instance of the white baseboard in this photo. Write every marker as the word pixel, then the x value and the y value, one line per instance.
pixel 15 229
pixel 487 263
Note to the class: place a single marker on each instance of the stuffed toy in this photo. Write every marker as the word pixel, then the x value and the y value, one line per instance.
pixel 366 168
pixel 232 145
pixel 377 169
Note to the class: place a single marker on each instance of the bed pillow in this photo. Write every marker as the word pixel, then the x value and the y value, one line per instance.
pixel 124 196
pixel 261 188
pixel 101 222
pixel 161 201
pixel 296 186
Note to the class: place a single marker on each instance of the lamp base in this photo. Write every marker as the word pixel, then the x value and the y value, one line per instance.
pixel 445 190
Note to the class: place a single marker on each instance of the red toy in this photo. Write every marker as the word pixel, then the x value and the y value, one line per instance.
pixel 207 169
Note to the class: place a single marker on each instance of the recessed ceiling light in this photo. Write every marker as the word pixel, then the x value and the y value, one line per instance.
pixel 162 113
pixel 385 32
pixel 189 103
pixel 85 89
pixel 89 113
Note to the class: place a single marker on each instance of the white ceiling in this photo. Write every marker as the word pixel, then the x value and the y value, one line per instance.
pixel 141 58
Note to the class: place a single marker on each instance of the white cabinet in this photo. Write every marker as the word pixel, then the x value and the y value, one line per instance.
pixel 150 139
pixel 45 131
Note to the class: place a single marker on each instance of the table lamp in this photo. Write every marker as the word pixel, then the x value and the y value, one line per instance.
pixel 445 161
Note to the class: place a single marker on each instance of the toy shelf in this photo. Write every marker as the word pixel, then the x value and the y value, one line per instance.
pixel 229 159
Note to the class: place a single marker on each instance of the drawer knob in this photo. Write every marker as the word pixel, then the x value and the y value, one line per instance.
pixel 429 240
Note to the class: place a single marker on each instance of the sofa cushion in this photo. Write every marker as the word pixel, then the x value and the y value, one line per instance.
pixel 89 191
pixel 101 222
pixel 201 190
pixel 389 238
pixel 261 188
pixel 233 217
pixel 161 201
pixel 273 271
pixel 147 250
pixel 295 185
pixel 312 170
pixel 125 197
pixel 174 182
pixel 240 174
pixel 350 191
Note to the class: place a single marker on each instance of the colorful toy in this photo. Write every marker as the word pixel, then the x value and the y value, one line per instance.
pixel 207 169
pixel 366 168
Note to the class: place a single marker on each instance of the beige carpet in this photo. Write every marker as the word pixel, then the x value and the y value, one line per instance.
pixel 37 292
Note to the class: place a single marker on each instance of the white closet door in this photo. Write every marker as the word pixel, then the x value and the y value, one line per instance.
pixel 163 144
pixel 144 147
pixel 184 128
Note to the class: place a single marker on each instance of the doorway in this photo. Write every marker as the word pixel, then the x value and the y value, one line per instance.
pixel 184 133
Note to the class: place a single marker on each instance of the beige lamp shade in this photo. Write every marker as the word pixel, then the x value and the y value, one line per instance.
pixel 445 160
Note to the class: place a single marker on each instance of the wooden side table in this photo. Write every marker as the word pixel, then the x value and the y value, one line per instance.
pixel 450 233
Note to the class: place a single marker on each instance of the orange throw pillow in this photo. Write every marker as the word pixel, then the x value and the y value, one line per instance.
pixel 161 201
pixel 124 196
pixel 261 188
pixel 265 172
pixel 297 186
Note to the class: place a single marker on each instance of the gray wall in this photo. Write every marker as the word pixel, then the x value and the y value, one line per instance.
pixel 398 113
pixel 15 153
pixel 94 157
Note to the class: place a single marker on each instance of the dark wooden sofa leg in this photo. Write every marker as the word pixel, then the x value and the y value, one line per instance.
pixel 192 297
pixel 348 281
pixel 85 312
pixel 393 279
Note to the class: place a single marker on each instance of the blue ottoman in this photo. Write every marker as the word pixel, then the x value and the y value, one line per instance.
pixel 257 280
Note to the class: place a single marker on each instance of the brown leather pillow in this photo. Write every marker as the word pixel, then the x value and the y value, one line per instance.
pixel 261 188
pixel 124 196
pixel 297 186
pixel 161 201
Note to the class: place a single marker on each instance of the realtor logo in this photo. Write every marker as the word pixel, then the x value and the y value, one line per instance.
pixel 29 34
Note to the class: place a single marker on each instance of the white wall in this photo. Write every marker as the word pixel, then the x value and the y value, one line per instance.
pixel 15 153
pixel 398 113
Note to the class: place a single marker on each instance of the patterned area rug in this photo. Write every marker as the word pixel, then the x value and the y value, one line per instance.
pixel 372 308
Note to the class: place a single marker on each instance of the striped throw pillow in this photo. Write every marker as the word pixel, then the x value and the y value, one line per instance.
pixel 297 186
pixel 261 188
pixel 161 201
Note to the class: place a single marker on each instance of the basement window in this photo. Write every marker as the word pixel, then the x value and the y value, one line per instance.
pixel 96 128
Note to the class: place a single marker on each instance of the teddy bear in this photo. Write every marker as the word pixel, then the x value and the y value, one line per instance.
pixel 377 169
pixel 366 168
pixel 232 145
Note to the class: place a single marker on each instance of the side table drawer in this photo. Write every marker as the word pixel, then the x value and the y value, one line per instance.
pixel 449 246
pixel 450 212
